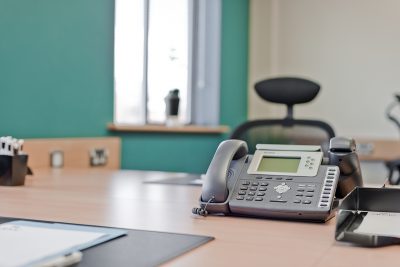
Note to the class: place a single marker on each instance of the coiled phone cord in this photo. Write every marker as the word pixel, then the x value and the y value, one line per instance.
pixel 202 211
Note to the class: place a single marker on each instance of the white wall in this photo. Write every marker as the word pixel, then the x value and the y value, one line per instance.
pixel 351 47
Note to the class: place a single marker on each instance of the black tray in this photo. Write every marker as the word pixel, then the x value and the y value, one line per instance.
pixel 356 206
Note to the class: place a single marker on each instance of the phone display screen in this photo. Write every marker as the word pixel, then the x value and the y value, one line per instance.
pixel 278 164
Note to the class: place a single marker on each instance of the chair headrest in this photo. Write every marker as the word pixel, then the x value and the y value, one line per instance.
pixel 287 90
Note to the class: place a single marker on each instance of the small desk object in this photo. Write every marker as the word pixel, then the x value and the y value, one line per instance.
pixel 120 199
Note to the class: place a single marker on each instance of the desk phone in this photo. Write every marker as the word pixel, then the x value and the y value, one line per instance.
pixel 278 181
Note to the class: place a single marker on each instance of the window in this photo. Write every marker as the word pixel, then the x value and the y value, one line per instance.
pixel 161 45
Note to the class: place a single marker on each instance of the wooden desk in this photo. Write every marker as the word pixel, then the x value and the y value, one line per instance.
pixel 120 199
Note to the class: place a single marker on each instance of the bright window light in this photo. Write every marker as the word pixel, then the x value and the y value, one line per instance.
pixel 129 61
pixel 162 45
pixel 167 56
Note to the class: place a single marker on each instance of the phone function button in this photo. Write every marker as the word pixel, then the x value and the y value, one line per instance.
pixel 324 200
pixel 311 185
pixel 264 183
pixel 289 179
pixel 323 205
pixel 300 190
pixel 282 188
pixel 279 197
pixel 268 178
pixel 240 197
pixel 242 193
pixel 301 185
pixel 251 194
pixel 260 194
pixel 310 190
pixel 325 196
pixel 253 188
pixel 327 192
pixel 306 201
pixel 254 183
pixel 331 173
pixel 278 200
pixel 278 178
pixel 309 195
pixel 262 188
pixel 249 198
pixel 259 177
pixel 299 195
pixel 246 183
pixel 244 188
pixel 297 201
pixel 258 199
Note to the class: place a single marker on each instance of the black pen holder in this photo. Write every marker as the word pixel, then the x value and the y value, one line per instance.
pixel 13 169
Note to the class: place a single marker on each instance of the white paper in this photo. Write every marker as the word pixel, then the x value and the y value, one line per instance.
pixel 380 223
pixel 21 245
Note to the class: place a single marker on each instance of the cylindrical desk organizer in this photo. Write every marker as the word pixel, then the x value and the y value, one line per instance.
pixel 13 169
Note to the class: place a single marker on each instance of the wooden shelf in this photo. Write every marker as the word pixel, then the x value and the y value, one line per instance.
pixel 378 149
pixel 155 128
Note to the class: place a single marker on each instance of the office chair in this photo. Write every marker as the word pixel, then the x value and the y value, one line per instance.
pixel 289 91
pixel 393 165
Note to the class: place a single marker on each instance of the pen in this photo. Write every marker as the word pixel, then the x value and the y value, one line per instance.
pixel 62 261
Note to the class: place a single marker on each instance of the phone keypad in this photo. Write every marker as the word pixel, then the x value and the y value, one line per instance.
pixel 285 196
pixel 256 190
pixel 252 190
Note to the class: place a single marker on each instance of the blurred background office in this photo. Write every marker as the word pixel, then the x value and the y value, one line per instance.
pixel 57 71
pixel 349 47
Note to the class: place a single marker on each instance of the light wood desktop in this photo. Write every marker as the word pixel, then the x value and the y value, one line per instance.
pixel 120 199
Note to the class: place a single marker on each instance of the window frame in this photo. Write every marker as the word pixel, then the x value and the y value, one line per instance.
pixel 204 64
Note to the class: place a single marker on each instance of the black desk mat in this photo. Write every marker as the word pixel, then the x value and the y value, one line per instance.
pixel 138 248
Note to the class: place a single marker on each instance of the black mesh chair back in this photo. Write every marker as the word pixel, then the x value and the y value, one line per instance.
pixel 288 91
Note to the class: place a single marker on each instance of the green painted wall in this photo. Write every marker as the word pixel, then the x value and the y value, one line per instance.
pixel 56 80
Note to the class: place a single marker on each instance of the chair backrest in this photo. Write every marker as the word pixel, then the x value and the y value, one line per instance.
pixel 289 91
pixel 74 153
pixel 296 132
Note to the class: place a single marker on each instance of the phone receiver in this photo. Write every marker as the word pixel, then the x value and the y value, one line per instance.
pixel 215 183
pixel 342 153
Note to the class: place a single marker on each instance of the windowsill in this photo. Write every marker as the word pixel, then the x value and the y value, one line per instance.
pixel 159 128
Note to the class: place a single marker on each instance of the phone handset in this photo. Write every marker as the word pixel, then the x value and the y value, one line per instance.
pixel 342 153
pixel 215 183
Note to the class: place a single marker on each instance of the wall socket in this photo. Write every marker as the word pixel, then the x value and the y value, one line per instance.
pixel 98 157
pixel 57 159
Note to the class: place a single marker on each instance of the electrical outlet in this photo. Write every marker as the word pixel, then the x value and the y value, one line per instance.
pixel 57 159
pixel 98 157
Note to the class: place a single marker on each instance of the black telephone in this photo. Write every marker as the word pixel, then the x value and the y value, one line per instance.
pixel 279 181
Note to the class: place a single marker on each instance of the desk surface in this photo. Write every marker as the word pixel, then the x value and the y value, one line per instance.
pixel 120 199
